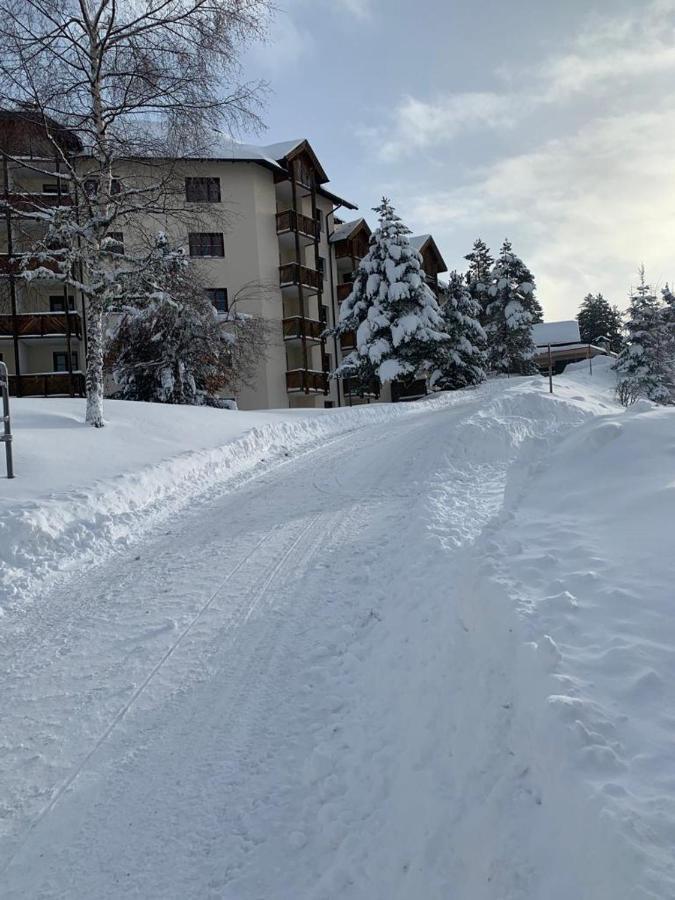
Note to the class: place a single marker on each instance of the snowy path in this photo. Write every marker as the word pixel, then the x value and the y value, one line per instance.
pixel 300 692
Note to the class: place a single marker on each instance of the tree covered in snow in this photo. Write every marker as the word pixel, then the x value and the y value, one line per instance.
pixel 462 361
pixel 644 366
pixel 523 276
pixel 478 275
pixel 597 319
pixel 167 344
pixel 509 321
pixel 133 81
pixel 394 313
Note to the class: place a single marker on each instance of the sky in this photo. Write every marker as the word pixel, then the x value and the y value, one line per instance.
pixel 552 124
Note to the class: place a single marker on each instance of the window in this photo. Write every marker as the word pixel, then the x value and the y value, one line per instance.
pixel 202 190
pixel 321 265
pixel 60 358
pixel 319 218
pixel 56 303
pixel 218 296
pixel 323 314
pixel 50 188
pixel 91 186
pixel 206 243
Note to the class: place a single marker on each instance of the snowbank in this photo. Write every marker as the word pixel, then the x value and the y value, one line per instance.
pixel 81 491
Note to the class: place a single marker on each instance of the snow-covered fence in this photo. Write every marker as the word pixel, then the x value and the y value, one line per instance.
pixel 6 436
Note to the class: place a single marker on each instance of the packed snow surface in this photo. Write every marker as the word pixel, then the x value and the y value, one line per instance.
pixel 427 652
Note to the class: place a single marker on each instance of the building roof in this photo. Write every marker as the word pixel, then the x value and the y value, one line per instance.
pixel 420 241
pixel 556 333
pixel 346 230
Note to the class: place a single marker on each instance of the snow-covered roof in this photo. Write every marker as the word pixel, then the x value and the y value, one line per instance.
pixel 556 333
pixel 342 232
pixel 418 241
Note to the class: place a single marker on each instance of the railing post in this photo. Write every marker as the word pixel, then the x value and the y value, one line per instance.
pixel 6 436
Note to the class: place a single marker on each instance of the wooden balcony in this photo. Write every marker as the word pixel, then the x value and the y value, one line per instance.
pixel 348 341
pixel 292 274
pixel 296 328
pixel 306 381
pixel 343 291
pixel 31 203
pixel 48 384
pixel 289 221
pixel 47 324
pixel 14 265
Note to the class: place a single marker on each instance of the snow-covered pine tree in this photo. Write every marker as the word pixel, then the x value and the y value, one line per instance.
pixel 508 320
pixel 598 319
pixel 644 367
pixel 394 313
pixel 478 275
pixel 523 276
pixel 462 362
pixel 167 343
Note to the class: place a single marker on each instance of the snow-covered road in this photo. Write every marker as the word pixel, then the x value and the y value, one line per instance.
pixel 299 690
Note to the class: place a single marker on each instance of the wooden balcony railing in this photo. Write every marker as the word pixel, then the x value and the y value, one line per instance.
pixel 307 380
pixel 30 203
pixel 343 291
pixel 294 273
pixel 16 264
pixel 348 341
pixel 290 220
pixel 41 324
pixel 295 328
pixel 47 384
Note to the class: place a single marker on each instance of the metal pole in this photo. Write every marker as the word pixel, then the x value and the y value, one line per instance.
pixel 550 370
pixel 6 437
pixel 590 359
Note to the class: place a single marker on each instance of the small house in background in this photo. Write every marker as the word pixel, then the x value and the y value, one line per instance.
pixel 566 345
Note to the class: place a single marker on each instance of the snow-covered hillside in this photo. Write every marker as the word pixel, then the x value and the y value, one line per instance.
pixel 429 653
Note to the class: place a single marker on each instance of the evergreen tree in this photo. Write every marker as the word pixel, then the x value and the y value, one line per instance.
pixel 644 367
pixel 463 360
pixel 394 313
pixel 478 275
pixel 168 344
pixel 524 277
pixel 598 319
pixel 508 319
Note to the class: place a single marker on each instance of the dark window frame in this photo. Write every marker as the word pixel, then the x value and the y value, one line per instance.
pixel 204 243
pixel 64 353
pixel 211 294
pixel 203 189
pixel 56 304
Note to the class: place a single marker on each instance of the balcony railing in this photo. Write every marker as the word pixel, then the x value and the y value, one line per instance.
pixel 289 221
pixel 47 324
pixel 295 274
pixel 353 387
pixel 306 380
pixel 343 291
pixel 296 328
pixel 16 264
pixel 47 384
pixel 30 203
pixel 348 341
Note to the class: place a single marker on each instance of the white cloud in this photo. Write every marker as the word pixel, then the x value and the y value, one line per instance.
pixel 361 9
pixel 584 211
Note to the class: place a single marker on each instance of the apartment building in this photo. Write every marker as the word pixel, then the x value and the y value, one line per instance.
pixel 266 236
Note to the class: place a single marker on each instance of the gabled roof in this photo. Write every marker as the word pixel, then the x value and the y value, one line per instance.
pixel 347 229
pixel 547 333
pixel 420 242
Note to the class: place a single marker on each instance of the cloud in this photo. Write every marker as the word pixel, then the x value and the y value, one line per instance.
pixel 584 210
pixel 608 55
pixel 361 9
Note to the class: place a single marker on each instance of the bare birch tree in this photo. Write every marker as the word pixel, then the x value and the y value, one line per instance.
pixel 136 80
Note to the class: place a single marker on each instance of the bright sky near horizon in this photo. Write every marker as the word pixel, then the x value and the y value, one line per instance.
pixel 550 123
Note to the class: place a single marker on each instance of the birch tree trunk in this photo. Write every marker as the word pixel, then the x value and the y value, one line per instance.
pixel 94 376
